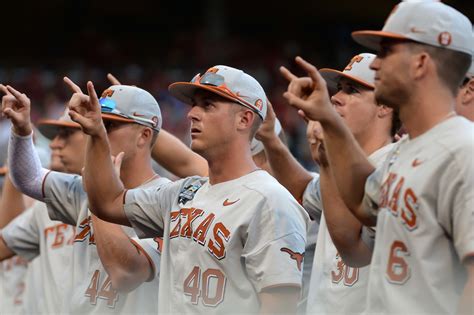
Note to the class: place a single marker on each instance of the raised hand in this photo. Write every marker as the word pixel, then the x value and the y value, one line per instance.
pixel 308 94
pixel 315 136
pixel 85 109
pixel 16 106
pixel 266 131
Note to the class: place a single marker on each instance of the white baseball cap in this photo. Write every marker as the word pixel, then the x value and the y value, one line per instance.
pixel 358 70
pixel 256 146
pixel 130 104
pixel 228 82
pixel 429 22
pixel 50 127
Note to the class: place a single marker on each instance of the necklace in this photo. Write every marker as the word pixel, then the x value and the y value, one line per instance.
pixel 150 179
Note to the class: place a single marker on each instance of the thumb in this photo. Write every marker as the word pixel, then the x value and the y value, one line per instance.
pixel 118 162
pixel 12 115
pixel 78 118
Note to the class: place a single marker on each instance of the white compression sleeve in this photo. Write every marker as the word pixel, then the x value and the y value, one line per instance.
pixel 24 166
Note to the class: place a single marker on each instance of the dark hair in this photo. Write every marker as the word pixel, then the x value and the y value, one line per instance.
pixel 153 138
pixel 451 65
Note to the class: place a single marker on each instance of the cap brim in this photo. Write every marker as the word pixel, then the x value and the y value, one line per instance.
pixel 107 116
pixel 332 78
pixel 185 91
pixel 50 128
pixel 372 39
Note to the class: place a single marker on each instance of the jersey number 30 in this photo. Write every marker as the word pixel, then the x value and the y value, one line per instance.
pixel 210 286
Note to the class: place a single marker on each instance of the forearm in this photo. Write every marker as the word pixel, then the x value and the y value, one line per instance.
pixel 286 169
pixel 176 157
pixel 347 160
pixel 344 228
pixel 466 303
pixel 125 264
pixel 104 188
pixel 24 165
pixel 279 300
pixel 11 204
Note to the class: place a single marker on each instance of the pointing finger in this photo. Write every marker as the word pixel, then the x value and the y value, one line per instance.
pixel 73 86
pixel 113 79
pixel 93 95
pixel 4 89
pixel 287 74
pixel 310 69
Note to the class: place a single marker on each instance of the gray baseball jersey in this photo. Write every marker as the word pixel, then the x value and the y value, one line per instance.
pixel 12 285
pixel 423 197
pixel 33 234
pixel 223 243
pixel 91 290
pixel 335 287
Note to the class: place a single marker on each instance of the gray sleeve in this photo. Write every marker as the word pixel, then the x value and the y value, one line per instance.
pixel 64 196
pixel 22 235
pixel 312 201
pixel 147 209
pixel 455 203
pixel 25 166
pixel 275 245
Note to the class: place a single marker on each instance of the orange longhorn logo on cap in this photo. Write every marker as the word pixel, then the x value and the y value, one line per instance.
pixel 107 93
pixel 353 60
pixel 259 104
pixel 212 70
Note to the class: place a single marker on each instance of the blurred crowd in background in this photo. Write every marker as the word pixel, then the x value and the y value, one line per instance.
pixel 151 44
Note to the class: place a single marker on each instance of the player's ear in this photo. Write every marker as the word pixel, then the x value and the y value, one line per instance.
pixel 245 119
pixel 383 111
pixel 470 90
pixel 146 134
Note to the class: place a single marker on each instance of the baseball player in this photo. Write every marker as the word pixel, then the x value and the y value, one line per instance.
pixel 421 198
pixel 108 260
pixel 335 287
pixel 277 156
pixel 32 234
pixel 233 242
pixel 13 270
pixel 465 97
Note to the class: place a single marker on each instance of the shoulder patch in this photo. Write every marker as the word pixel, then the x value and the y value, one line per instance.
pixel 189 190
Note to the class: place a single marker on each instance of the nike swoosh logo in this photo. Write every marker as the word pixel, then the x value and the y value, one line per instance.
pixel 416 162
pixel 138 115
pixel 415 30
pixel 228 203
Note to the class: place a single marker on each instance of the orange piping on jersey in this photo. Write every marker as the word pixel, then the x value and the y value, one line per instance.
pixel 42 184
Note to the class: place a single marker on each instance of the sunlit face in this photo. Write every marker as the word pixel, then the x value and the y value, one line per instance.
pixel 356 105
pixel 70 144
pixel 212 123
pixel 393 85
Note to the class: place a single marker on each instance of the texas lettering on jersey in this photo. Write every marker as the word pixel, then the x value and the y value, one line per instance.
pixel 390 198
pixel 59 235
pixel 84 231
pixel 181 226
